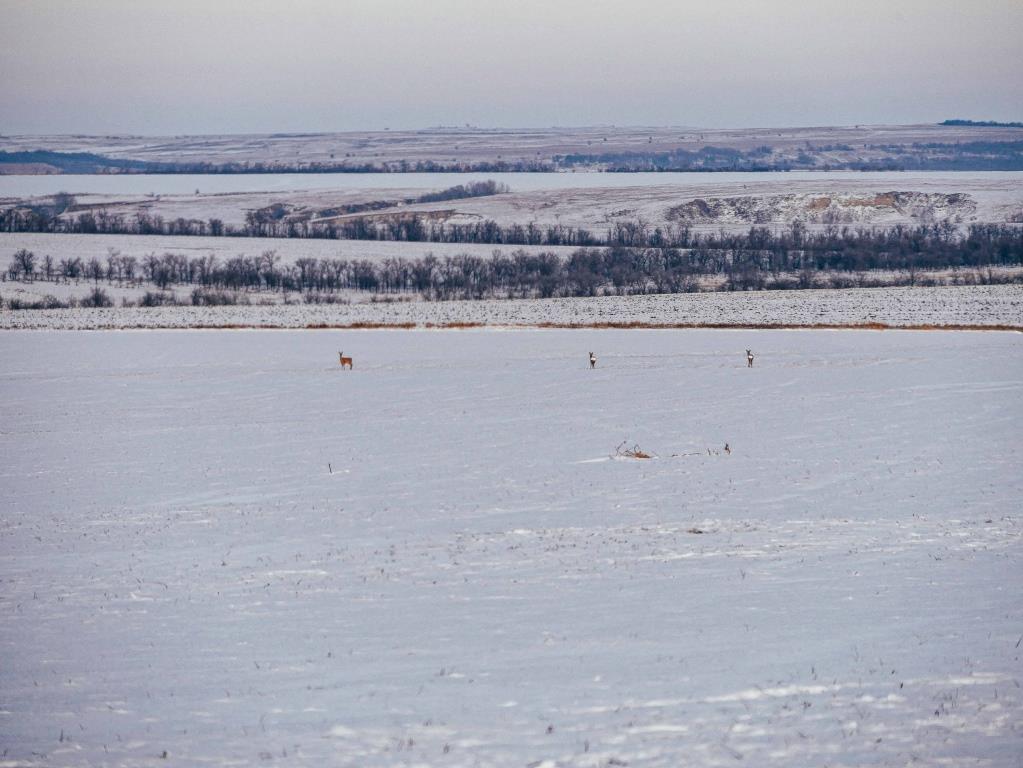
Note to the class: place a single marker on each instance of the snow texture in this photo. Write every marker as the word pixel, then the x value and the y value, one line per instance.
pixel 217 548
pixel 977 305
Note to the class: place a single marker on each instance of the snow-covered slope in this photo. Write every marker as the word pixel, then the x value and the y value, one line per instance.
pixel 216 548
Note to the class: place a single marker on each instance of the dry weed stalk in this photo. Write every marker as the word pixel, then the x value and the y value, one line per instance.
pixel 631 453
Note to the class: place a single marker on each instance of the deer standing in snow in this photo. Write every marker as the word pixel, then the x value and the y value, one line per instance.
pixel 593 360
pixel 344 360
pixel 749 359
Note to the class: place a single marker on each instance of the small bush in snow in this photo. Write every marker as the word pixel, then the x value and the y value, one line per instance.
pixel 157 299
pixel 47 302
pixel 207 298
pixel 325 298
pixel 97 297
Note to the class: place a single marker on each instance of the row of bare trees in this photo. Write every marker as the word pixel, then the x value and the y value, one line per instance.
pixel 26 266
pixel 756 260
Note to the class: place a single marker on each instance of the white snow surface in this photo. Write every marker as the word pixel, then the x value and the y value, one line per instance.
pixel 217 548
pixel 975 305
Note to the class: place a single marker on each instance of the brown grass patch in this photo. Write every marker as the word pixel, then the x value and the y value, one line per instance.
pixel 360 325
pixel 882 200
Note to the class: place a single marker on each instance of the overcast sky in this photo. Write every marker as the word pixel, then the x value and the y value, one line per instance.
pixel 220 66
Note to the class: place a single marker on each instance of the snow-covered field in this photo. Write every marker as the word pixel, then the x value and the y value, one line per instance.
pixel 375 186
pixel 977 305
pixel 446 145
pixel 216 548
pixel 87 247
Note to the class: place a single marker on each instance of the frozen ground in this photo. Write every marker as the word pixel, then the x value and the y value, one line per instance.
pixel 218 549
pixel 975 305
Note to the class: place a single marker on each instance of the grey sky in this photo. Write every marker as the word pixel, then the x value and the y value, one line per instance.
pixel 187 66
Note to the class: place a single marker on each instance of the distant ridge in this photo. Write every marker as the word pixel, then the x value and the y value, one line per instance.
pixel 970 146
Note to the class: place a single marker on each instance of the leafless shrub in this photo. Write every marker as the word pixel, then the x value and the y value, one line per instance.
pixel 781 283
pixel 209 298
pixel 47 302
pixel 158 299
pixel 325 298
pixel 97 297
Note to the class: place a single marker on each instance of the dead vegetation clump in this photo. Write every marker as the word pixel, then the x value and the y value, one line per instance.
pixel 317 297
pixel 454 325
pixel 635 452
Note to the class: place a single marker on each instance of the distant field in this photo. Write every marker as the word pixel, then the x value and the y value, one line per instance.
pixel 454 146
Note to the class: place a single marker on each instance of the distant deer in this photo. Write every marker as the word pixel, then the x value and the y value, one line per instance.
pixel 749 359
pixel 344 360
pixel 593 360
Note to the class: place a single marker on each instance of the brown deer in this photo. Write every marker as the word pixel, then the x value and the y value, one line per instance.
pixel 344 360
pixel 749 358
pixel 593 360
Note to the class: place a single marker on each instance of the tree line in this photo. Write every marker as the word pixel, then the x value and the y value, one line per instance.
pixel 981 123
pixel 755 260
pixel 930 156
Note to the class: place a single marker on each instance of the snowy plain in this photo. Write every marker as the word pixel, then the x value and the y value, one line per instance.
pixel 469 144
pixel 216 548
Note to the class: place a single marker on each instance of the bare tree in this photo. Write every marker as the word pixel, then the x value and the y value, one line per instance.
pixel 24 263
pixel 94 270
